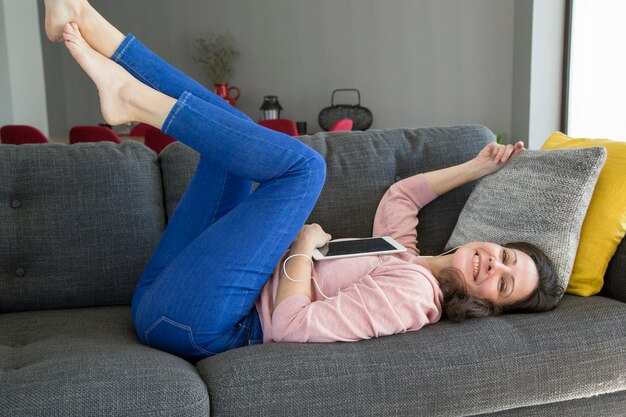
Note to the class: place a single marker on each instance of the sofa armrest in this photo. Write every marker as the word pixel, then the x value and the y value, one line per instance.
pixel 615 277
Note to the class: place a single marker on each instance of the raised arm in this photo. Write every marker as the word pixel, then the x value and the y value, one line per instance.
pixel 397 211
pixel 490 159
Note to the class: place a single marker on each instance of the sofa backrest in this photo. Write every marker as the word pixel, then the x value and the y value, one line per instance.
pixel 360 168
pixel 78 223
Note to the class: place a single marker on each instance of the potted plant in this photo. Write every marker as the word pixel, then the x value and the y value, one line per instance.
pixel 216 53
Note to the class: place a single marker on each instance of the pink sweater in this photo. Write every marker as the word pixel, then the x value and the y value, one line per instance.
pixel 372 296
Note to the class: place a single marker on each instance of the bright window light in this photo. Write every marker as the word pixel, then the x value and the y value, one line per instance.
pixel 597 83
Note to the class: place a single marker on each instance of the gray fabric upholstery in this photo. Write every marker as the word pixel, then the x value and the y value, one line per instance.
pixel 79 223
pixel 178 164
pixel 360 168
pixel 362 165
pixel 87 362
pixel 615 276
pixel 540 197
pixel 607 405
pixel 473 367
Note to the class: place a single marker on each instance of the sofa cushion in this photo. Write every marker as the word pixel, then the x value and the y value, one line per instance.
pixel 477 366
pixel 605 222
pixel 83 362
pixel 598 405
pixel 539 197
pixel 178 164
pixel 360 168
pixel 79 223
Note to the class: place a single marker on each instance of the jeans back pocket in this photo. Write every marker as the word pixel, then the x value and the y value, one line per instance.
pixel 174 337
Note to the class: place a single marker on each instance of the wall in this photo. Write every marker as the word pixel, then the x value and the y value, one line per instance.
pixel 546 70
pixel 23 93
pixel 416 62
pixel 538 70
pixel 521 69
pixel 6 103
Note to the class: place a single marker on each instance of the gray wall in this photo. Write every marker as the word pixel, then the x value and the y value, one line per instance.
pixel 416 62
pixel 521 68
pixel 22 93
pixel 6 103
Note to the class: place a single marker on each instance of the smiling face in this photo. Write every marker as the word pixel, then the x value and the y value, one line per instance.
pixel 495 273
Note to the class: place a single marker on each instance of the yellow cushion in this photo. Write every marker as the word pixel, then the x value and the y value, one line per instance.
pixel 605 223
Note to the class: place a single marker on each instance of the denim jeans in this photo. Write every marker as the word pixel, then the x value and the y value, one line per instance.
pixel 196 296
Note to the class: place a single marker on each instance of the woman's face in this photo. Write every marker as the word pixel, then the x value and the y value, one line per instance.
pixel 495 273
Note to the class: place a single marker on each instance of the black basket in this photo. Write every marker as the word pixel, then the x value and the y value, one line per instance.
pixel 361 116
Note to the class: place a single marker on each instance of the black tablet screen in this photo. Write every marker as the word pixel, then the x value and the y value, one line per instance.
pixel 347 247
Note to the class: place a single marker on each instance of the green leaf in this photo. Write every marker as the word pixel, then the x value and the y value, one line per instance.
pixel 215 53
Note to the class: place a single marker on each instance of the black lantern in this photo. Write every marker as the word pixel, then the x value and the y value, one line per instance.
pixel 271 108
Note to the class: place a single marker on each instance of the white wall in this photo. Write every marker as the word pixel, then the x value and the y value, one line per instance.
pixel 416 62
pixel 538 70
pixel 546 82
pixel 23 98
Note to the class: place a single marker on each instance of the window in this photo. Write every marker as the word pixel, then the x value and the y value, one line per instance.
pixel 596 104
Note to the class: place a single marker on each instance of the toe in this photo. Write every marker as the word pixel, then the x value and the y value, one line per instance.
pixel 70 37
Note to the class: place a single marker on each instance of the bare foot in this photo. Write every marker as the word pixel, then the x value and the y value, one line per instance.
pixel 114 83
pixel 61 12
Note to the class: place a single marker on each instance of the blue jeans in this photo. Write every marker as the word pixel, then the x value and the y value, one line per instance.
pixel 196 296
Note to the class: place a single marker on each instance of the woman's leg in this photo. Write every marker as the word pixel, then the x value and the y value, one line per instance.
pixel 210 203
pixel 228 190
pixel 195 305
pixel 127 51
pixel 152 70
pixel 210 286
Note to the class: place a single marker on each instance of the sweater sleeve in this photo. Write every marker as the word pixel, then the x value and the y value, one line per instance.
pixel 396 215
pixel 369 308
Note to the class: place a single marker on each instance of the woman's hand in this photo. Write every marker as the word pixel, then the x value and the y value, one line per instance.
pixel 311 237
pixel 490 159
pixel 493 156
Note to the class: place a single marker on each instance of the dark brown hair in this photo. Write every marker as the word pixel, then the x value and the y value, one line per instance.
pixel 459 306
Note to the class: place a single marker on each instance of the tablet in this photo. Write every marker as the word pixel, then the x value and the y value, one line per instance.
pixel 347 248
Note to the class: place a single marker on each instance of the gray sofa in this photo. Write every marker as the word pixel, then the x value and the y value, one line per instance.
pixel 78 224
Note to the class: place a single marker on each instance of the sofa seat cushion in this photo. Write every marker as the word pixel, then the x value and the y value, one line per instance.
pixel 477 366
pixel 83 362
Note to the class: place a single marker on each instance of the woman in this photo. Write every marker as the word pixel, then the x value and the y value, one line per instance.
pixel 232 267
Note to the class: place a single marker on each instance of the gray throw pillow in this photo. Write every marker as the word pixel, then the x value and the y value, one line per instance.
pixel 540 197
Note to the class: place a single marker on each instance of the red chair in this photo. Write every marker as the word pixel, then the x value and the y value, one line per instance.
pixel 343 124
pixel 285 126
pixel 157 140
pixel 19 134
pixel 92 134
pixel 140 129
